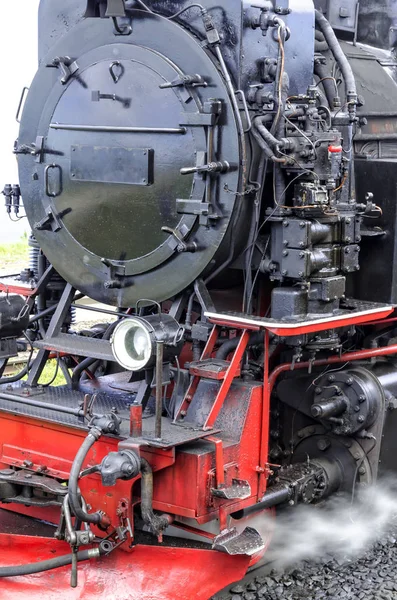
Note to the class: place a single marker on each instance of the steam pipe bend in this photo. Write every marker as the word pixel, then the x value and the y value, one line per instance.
pixel 264 146
pixel 269 138
pixel 255 340
pixel 74 497
pixel 331 92
pixel 156 523
pixel 344 65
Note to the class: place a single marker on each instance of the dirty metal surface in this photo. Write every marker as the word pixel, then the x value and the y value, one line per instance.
pixel 107 399
pixel 148 573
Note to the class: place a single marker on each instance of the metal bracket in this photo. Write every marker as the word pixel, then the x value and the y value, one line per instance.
pixel 198 119
pixel 185 80
pixel 203 294
pixel 194 207
pixel 50 221
pixel 105 8
pixel 117 275
pixel 182 246
pixel 67 66
pixel 115 8
pixel 36 149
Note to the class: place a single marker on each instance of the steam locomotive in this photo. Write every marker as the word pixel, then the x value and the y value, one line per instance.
pixel 219 177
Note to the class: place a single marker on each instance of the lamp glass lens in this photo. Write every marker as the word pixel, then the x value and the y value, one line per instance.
pixel 132 346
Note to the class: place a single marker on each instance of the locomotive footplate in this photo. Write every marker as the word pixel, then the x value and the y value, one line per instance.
pixel 354 313
pixel 33 406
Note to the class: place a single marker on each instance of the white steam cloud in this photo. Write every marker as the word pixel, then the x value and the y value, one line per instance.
pixel 341 528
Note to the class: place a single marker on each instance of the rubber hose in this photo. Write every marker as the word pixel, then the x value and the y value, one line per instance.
pixel 319 36
pixel 81 367
pixel 321 46
pixel 74 497
pixel 264 146
pixel 329 87
pixel 344 65
pixel 88 362
pixel 230 345
pixel 18 376
pixel 47 565
pixel 267 136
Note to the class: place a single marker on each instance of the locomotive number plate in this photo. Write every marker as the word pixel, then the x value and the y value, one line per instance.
pixel 133 166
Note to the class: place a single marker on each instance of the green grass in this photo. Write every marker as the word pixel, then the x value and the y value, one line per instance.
pixel 47 375
pixel 49 372
pixel 17 250
pixel 14 256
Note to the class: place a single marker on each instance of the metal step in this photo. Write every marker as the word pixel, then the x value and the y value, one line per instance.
pixel 247 542
pixel 77 345
pixel 212 368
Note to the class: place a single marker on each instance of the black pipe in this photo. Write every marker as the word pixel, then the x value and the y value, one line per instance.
pixel 88 362
pixel 344 65
pixel 320 46
pixel 319 36
pixel 77 412
pixel 269 138
pixel 79 369
pixel 327 81
pixel 265 147
pixel 278 494
pixel 156 523
pixel 48 565
pixel 18 376
pixel 227 347
pixel 74 496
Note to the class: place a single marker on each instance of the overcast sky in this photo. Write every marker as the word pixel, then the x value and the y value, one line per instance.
pixel 18 65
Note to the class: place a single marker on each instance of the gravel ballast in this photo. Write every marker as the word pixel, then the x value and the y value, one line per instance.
pixel 372 576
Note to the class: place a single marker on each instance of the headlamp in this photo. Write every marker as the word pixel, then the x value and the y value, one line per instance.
pixel 134 340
